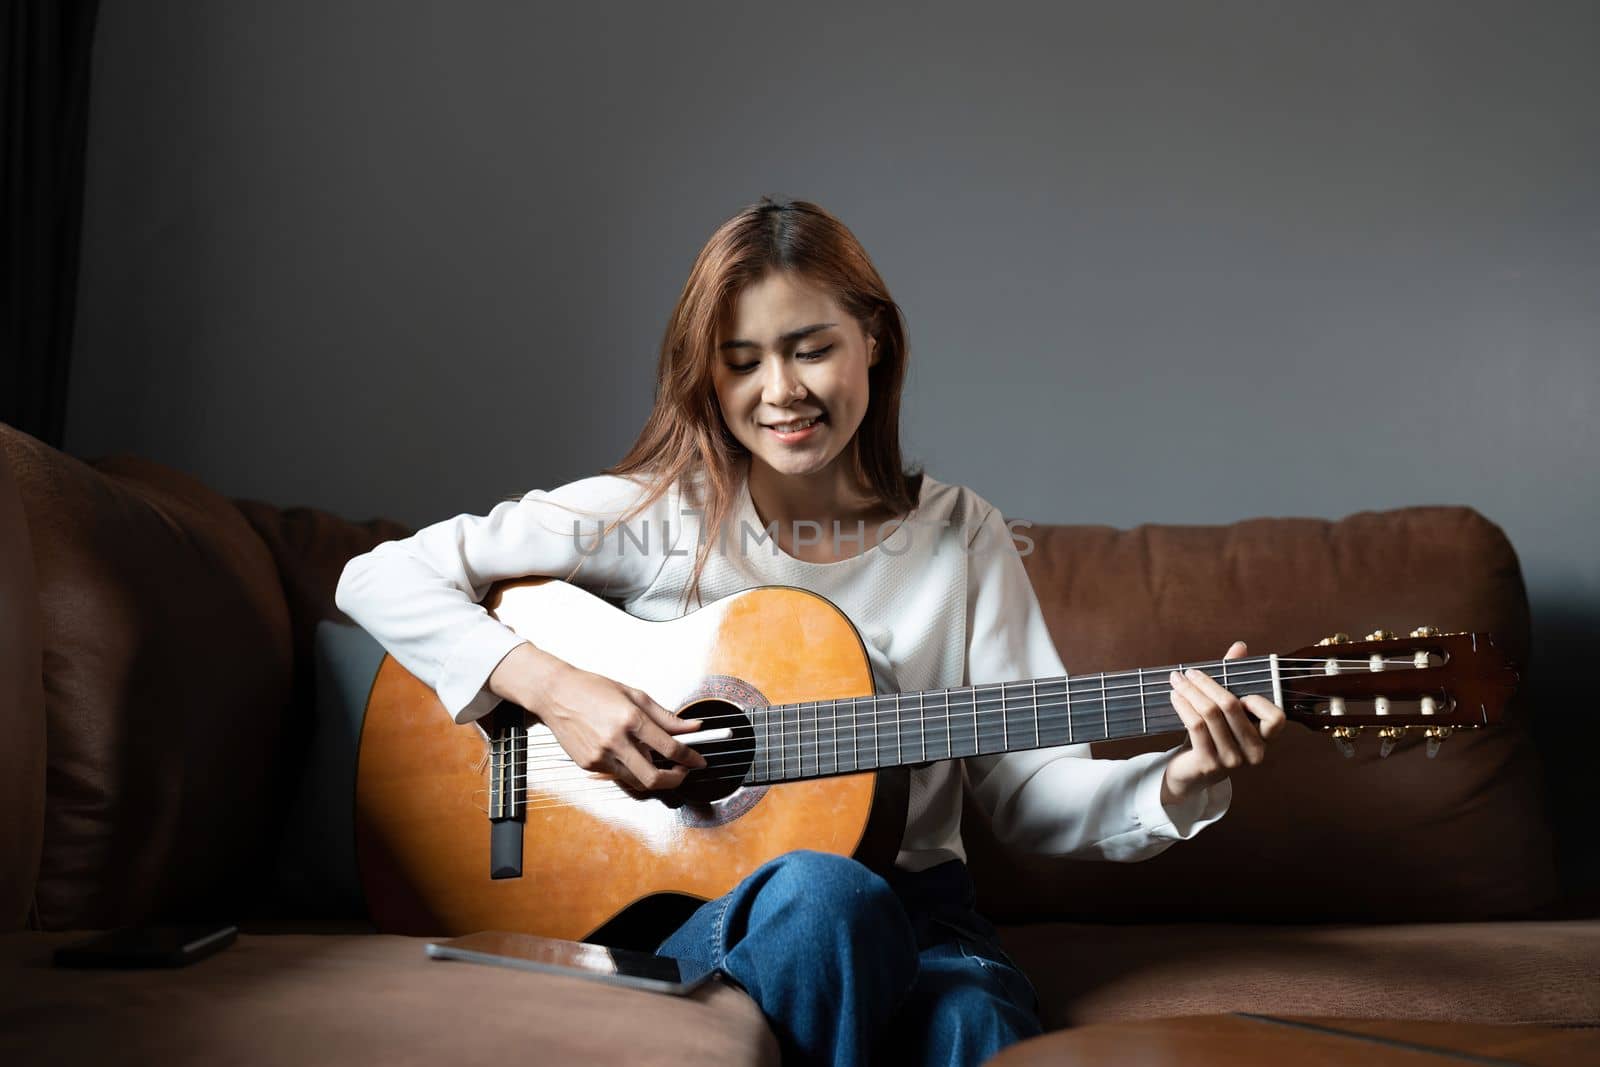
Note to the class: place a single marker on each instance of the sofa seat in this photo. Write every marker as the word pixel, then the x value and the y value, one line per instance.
pixel 1490 972
pixel 342 999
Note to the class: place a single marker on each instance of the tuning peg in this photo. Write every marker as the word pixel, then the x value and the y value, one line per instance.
pixel 1336 639
pixel 1344 739
pixel 1425 631
pixel 1380 635
pixel 1391 736
pixel 1436 736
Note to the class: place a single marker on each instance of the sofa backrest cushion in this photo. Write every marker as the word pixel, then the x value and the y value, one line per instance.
pixel 166 674
pixel 1310 835
pixel 22 754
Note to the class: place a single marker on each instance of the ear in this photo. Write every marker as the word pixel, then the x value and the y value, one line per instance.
pixel 872 351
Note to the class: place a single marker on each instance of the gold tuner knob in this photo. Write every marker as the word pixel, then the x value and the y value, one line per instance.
pixel 1336 639
pixel 1425 631
pixel 1436 736
pixel 1391 736
pixel 1344 739
pixel 1380 635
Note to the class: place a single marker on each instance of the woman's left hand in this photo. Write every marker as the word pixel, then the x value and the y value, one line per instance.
pixel 1221 734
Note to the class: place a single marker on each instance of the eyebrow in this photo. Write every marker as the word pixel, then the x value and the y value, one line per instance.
pixel 792 335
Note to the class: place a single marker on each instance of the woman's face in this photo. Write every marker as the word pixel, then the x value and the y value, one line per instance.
pixel 788 354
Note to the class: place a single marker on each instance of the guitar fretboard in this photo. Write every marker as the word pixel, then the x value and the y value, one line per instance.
pixel 827 737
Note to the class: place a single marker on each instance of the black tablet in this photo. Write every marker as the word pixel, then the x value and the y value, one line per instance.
pixel 618 966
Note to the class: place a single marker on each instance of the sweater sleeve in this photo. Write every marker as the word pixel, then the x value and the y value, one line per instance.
pixel 1060 801
pixel 418 596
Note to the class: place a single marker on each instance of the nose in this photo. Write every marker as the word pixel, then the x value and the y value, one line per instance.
pixel 781 384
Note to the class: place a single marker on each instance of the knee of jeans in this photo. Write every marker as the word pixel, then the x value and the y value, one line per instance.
pixel 839 891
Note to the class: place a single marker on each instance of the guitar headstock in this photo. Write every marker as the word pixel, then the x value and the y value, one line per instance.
pixel 1428 681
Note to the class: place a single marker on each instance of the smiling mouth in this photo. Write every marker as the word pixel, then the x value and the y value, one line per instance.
pixel 797 425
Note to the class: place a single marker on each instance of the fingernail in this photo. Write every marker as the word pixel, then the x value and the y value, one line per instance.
pixel 1193 673
pixel 1173 677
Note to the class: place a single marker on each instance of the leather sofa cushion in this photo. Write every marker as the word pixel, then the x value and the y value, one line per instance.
pixel 310 548
pixel 22 755
pixel 1310 836
pixel 338 1000
pixel 166 672
pixel 1504 972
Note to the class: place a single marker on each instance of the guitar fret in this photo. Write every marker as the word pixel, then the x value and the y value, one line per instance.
pixel 817 734
pixel 1020 696
pixel 855 739
pixel 775 740
pixel 989 738
pixel 956 732
pixel 1005 738
pixel 894 728
pixel 973 697
pixel 1105 710
pixel 1066 693
pixel 897 758
pixel 1056 727
pixel 922 723
pixel 1086 708
pixel 1144 726
pixel 909 725
pixel 799 740
pixel 877 748
pixel 833 720
pixel 806 771
pixel 1036 742
pixel 758 727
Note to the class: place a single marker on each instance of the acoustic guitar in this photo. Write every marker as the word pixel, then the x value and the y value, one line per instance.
pixel 494 827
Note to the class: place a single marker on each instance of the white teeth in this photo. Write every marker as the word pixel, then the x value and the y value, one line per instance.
pixel 790 427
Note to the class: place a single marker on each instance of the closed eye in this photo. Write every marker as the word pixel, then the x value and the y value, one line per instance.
pixel 742 368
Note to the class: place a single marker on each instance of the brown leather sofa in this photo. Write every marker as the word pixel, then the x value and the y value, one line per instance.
pixel 156 687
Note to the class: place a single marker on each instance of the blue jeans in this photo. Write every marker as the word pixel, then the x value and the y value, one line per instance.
pixel 844 963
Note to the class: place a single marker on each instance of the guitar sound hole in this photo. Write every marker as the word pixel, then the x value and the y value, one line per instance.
pixel 727 762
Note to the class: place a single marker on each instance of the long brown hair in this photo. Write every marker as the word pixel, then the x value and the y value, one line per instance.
pixel 686 435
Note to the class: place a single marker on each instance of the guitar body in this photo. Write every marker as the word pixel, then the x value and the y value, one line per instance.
pixel 590 849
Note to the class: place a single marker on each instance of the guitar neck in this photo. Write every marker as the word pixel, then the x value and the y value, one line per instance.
pixel 818 739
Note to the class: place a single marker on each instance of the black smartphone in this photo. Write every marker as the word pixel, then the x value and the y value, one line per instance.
pixel 147 946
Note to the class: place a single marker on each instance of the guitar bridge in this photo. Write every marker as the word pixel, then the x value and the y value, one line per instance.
pixel 508 790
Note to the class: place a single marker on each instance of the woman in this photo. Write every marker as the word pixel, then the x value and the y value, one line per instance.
pixel 777 411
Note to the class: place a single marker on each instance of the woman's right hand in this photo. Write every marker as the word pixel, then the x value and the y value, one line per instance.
pixel 603 725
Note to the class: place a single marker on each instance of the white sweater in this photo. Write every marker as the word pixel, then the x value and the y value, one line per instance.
pixel 942 601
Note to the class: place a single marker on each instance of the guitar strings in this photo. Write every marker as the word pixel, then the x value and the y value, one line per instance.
pixel 598 781
pixel 986 697
pixel 598 787
pixel 931 712
pixel 1259 668
pixel 561 769
pixel 786 733
pixel 783 753
pixel 593 787
pixel 787 743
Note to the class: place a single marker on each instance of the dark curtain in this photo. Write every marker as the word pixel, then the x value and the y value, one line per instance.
pixel 46 52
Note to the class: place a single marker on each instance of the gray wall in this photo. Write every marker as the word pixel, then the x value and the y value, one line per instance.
pixel 1170 262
